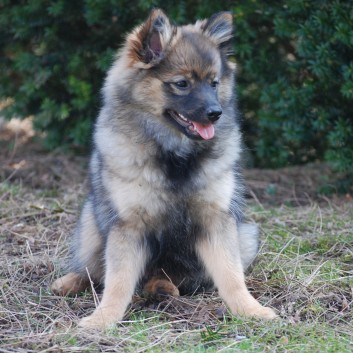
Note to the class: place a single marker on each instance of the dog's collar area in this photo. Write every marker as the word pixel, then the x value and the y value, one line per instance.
pixel 192 128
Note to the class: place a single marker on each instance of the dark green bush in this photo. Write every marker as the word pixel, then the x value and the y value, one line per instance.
pixel 295 62
pixel 296 80
pixel 53 57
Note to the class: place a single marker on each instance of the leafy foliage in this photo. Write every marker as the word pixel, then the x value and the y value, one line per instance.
pixel 295 69
pixel 296 61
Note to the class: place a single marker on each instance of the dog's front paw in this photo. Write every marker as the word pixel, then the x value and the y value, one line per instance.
pixel 100 319
pixel 252 308
pixel 257 311
pixel 263 312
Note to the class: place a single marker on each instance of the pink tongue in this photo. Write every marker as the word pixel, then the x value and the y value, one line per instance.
pixel 205 131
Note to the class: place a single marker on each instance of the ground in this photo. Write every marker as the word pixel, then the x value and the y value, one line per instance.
pixel 303 270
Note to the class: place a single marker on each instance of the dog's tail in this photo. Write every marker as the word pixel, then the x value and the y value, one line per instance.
pixel 248 242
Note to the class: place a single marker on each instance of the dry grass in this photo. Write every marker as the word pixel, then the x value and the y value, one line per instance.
pixel 304 269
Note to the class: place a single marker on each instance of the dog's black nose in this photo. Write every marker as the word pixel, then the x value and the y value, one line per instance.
pixel 214 113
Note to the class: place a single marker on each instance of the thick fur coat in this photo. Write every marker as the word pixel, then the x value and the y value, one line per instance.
pixel 165 206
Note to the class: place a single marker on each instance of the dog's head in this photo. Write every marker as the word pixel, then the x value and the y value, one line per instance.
pixel 183 75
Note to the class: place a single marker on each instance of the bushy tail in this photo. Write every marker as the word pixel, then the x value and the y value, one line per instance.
pixel 248 242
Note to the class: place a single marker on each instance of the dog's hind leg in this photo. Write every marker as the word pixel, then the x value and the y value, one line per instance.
pixel 69 284
pixel 86 258
pixel 248 243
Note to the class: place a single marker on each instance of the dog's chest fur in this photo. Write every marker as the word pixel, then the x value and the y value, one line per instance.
pixel 183 173
pixel 145 180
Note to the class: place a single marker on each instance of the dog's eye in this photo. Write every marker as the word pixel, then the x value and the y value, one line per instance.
pixel 214 83
pixel 182 84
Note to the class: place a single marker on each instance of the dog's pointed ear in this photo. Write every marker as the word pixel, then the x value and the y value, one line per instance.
pixel 148 42
pixel 219 27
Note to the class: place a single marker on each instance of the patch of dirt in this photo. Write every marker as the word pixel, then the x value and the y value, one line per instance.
pixel 295 186
pixel 23 160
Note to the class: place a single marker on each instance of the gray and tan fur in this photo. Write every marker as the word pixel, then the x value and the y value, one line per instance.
pixel 165 204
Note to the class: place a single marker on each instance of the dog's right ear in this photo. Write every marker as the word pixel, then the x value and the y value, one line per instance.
pixel 148 43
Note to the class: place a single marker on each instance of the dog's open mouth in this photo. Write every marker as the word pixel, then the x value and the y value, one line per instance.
pixel 193 128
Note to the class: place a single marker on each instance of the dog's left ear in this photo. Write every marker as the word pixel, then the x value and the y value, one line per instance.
pixel 219 27
pixel 148 42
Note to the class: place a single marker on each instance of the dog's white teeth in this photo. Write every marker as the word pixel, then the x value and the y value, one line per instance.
pixel 182 117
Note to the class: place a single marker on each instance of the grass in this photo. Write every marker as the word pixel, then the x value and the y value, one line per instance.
pixel 304 270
